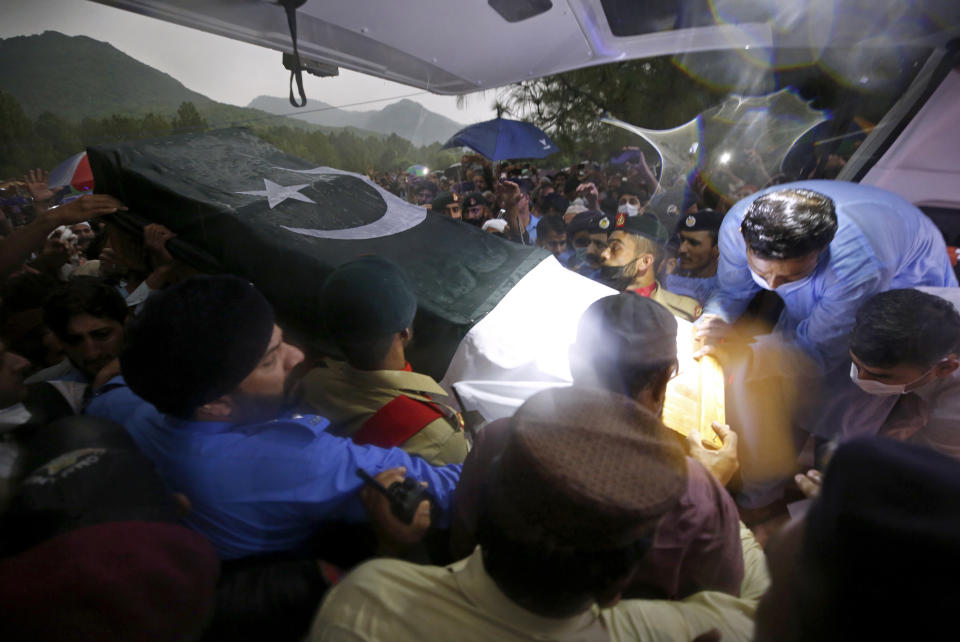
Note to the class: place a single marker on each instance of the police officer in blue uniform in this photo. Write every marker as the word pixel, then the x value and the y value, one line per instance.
pixel 203 394
pixel 697 255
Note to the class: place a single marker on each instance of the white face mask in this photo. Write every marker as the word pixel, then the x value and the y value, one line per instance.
pixel 872 387
pixel 786 288
pixel 628 209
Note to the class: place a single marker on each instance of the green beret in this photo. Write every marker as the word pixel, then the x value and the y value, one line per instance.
pixel 367 298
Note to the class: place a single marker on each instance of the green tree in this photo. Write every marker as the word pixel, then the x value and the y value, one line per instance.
pixel 18 141
pixel 153 125
pixel 188 119
pixel 652 93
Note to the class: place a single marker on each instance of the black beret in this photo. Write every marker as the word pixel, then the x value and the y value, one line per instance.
pixel 367 298
pixel 591 220
pixel 708 220
pixel 475 198
pixel 442 200
pixel 646 225
pixel 196 341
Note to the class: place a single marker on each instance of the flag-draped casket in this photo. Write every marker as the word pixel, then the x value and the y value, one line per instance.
pixel 239 205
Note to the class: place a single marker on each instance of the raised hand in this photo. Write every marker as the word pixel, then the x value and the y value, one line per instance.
pixel 155 237
pixel 36 180
pixel 85 208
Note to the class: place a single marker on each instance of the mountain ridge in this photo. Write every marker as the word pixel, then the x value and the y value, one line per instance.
pixel 405 118
pixel 77 77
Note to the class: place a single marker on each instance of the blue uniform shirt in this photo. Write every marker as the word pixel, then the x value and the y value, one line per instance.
pixel 697 288
pixel 262 488
pixel 531 228
pixel 882 242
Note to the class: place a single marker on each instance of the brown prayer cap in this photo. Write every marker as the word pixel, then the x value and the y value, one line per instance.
pixel 584 468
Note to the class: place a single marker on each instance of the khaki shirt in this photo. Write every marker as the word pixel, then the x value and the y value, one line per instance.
pixel 684 307
pixel 349 397
pixel 398 601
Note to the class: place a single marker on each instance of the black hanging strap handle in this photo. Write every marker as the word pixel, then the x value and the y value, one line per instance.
pixel 291 6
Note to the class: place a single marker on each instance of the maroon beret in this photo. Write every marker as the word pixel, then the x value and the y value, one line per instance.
pixel 119 581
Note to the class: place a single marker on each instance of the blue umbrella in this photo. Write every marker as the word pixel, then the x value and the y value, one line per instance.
pixel 499 139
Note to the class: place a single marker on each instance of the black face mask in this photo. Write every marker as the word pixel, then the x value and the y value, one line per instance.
pixel 618 277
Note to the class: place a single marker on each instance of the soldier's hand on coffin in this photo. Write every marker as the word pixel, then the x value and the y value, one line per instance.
pixel 393 535
pixel 810 483
pixel 723 462
pixel 85 208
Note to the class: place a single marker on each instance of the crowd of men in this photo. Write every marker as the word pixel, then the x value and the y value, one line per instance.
pixel 171 468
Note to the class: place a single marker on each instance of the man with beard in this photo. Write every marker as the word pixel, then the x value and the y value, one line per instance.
pixel 447 204
pixel 84 233
pixel 630 261
pixel 696 272
pixel 374 397
pixel 204 395
pixel 476 209
pixel 422 192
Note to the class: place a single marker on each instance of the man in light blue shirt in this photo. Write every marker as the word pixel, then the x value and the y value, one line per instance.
pixel 203 395
pixel 824 247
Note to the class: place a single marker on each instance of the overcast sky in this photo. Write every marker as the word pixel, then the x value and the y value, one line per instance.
pixel 225 70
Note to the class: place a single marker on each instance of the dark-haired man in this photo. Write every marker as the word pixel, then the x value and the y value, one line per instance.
pixel 630 263
pixel 374 396
pixel 552 235
pixel 696 273
pixel 905 344
pixel 569 515
pixel 87 316
pixel 824 247
pixel 207 369
pixel 447 204
pixel 587 234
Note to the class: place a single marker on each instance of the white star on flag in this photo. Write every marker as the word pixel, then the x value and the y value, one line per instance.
pixel 277 193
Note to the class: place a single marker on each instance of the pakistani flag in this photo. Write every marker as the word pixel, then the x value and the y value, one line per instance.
pixel 241 206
